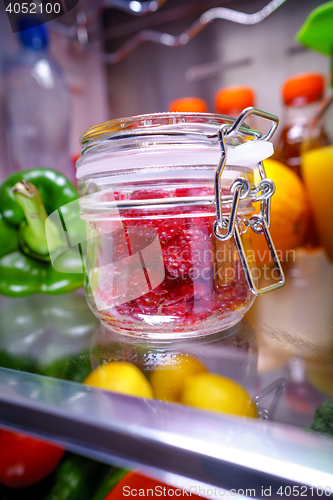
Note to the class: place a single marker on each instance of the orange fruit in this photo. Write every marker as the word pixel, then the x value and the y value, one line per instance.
pixel 168 379
pixel 290 211
pixel 210 391
pixel 120 376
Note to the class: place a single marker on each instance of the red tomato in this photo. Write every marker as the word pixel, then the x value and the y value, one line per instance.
pixel 131 484
pixel 24 460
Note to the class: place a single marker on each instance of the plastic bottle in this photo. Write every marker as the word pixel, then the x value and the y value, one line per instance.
pixel 37 106
pixel 189 104
pixel 301 94
pixel 232 100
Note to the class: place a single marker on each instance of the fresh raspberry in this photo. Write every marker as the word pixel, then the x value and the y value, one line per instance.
pixel 201 216
pixel 137 217
pixel 165 226
pixel 114 289
pixel 188 292
pixel 110 195
pixel 149 194
pixel 165 221
pixel 189 253
pixel 202 309
pixel 125 309
pixel 177 290
pixel 149 302
pixel 139 237
pixel 177 256
pixel 169 228
pixel 201 291
pixel 146 304
pixel 200 191
pixel 184 192
pixel 177 297
pixel 104 227
pixel 179 308
pixel 113 249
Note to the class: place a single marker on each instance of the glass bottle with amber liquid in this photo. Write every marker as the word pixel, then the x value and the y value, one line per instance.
pixel 302 94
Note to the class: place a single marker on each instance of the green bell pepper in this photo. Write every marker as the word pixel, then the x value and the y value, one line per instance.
pixel 26 199
pixel 77 477
pixel 47 334
pixel 109 482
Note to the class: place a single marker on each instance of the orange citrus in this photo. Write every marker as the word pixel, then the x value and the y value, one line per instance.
pixel 213 392
pixel 120 377
pixel 290 212
pixel 168 379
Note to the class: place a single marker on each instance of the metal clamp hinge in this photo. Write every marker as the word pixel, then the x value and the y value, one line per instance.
pixel 226 227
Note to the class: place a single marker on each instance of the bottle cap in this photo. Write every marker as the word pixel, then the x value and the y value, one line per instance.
pixel 303 88
pixel 233 98
pixel 32 36
pixel 189 104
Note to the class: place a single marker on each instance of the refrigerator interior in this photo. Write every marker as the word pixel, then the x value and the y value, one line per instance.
pixel 282 351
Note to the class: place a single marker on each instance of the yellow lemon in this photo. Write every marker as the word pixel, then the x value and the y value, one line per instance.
pixel 168 379
pixel 213 392
pixel 290 212
pixel 120 377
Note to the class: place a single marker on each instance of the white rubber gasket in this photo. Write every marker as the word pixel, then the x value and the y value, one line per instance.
pixel 244 155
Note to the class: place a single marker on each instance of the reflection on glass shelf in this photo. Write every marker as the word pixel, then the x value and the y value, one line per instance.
pixel 46 334
pixel 294 329
pixel 221 450
pixel 60 338
pixel 287 336
pixel 231 353
pixel 297 320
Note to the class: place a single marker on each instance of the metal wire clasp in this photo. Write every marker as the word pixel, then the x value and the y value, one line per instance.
pixel 226 227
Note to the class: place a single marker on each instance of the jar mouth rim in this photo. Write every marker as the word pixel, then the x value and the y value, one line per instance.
pixel 165 123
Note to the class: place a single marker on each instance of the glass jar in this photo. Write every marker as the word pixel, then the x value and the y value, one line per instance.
pixel 165 256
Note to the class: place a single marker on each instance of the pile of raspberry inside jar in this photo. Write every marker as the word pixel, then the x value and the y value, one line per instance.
pixel 194 286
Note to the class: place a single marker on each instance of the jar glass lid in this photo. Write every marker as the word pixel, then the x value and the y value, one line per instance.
pixel 168 139
pixel 170 127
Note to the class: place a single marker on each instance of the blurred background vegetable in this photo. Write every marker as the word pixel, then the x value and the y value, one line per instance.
pixel 323 418
pixel 25 266
pixel 24 460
